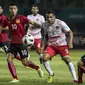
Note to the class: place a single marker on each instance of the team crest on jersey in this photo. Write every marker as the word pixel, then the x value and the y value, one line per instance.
pixel 57 27
pixel 17 21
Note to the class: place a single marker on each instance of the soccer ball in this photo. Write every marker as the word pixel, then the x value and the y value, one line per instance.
pixel 28 40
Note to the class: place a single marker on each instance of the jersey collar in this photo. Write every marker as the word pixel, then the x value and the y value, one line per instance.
pixel 14 18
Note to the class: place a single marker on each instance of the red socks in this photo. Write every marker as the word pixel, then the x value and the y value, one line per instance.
pixel 12 70
pixel 32 65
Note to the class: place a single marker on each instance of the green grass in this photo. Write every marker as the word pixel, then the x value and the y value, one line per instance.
pixel 30 76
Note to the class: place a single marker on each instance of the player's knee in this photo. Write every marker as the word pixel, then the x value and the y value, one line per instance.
pixel 10 57
pixel 24 62
pixel 38 50
pixel 80 63
pixel 46 57
pixel 66 59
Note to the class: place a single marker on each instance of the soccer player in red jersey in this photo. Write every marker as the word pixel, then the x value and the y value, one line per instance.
pixel 3 35
pixel 15 24
pixel 81 69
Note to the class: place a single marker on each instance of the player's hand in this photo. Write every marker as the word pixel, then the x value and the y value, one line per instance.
pixel 0 29
pixel 4 28
pixel 35 24
pixel 70 45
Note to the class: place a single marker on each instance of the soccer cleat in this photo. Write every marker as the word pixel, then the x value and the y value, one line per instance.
pixel 14 81
pixel 75 81
pixel 40 72
pixel 50 79
pixel 27 67
pixel 1 50
pixel 80 81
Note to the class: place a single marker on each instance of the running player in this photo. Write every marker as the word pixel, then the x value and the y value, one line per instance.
pixel 15 24
pixel 3 35
pixel 55 29
pixel 36 33
pixel 81 69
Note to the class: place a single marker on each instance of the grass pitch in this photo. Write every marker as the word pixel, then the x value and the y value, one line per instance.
pixel 28 76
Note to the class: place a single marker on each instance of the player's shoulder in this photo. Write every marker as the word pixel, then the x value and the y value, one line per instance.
pixel 21 16
pixel 3 16
pixel 30 15
pixel 60 21
pixel 40 15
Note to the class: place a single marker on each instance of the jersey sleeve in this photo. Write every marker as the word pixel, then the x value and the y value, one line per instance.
pixel 64 26
pixel 5 23
pixel 43 19
pixel 25 20
pixel 28 16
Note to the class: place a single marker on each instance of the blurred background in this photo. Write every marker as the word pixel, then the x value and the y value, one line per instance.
pixel 71 11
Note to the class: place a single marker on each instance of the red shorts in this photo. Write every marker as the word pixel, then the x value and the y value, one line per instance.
pixel 37 43
pixel 53 50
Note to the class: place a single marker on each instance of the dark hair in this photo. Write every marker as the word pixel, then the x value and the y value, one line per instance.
pixel 35 5
pixel 1 6
pixel 13 4
pixel 50 11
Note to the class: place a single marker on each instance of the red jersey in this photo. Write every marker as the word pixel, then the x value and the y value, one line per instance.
pixel 16 28
pixel 3 34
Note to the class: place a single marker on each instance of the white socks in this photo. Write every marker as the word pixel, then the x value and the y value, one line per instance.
pixel 48 68
pixel 46 65
pixel 72 70
pixel 28 57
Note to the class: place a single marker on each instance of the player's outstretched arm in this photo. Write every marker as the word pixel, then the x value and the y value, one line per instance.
pixel 70 39
pixel 35 24
pixel 3 28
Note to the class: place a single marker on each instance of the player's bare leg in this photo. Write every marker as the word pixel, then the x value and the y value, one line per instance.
pixel 38 50
pixel 25 62
pixel 81 70
pixel 71 68
pixel 28 48
pixel 46 58
pixel 46 65
pixel 80 75
pixel 12 67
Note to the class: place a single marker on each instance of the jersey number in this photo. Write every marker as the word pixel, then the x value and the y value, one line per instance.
pixel 14 26
pixel 24 52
